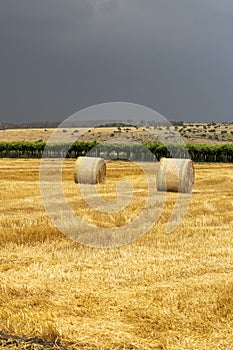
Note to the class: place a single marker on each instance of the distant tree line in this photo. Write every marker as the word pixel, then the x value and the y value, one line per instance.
pixel 131 151
pixel 29 125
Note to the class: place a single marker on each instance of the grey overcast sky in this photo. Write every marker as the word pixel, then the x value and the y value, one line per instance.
pixel 59 56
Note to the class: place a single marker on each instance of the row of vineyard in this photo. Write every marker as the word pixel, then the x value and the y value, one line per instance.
pixel 130 151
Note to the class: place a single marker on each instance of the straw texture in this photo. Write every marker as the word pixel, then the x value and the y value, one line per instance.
pixel 175 175
pixel 89 170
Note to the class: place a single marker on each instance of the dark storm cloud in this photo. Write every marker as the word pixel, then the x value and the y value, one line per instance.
pixel 58 56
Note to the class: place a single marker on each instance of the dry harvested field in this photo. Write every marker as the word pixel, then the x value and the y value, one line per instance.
pixel 211 133
pixel 163 291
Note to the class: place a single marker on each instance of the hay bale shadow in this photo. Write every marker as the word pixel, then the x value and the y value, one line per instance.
pixel 9 341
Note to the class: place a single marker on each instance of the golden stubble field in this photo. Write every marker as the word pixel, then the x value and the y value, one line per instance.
pixel 163 291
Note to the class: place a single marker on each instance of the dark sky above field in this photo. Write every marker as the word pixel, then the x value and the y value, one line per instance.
pixel 59 56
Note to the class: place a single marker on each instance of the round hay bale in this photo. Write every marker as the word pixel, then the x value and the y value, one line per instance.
pixel 175 175
pixel 89 170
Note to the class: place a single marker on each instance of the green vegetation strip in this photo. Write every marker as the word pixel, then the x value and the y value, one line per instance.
pixel 135 152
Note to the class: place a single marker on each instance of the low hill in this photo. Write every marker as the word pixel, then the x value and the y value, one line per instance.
pixel 211 133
